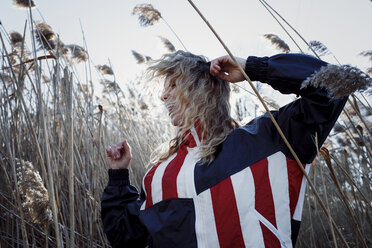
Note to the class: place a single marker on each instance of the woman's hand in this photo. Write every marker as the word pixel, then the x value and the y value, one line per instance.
pixel 119 156
pixel 225 68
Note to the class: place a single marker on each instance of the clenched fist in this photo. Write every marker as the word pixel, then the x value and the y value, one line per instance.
pixel 225 68
pixel 119 156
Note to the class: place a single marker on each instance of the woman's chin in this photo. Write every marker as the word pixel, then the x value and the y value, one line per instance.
pixel 176 122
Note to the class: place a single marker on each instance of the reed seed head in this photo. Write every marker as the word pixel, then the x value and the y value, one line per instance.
pixel 78 53
pixel 319 47
pixel 5 77
pixel 168 45
pixel 62 49
pixel 367 53
pixel 339 81
pixel 110 86
pixel 15 38
pixel 105 69
pixel 44 35
pixel 24 3
pixel 279 43
pixel 147 14
pixel 139 57
pixel 83 88
pixel 34 194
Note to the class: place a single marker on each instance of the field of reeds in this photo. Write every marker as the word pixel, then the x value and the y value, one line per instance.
pixel 55 127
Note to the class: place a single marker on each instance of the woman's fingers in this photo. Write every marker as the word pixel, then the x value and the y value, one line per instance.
pixel 119 156
pixel 215 69
pixel 220 66
pixel 119 150
pixel 126 150
pixel 226 69
pixel 109 152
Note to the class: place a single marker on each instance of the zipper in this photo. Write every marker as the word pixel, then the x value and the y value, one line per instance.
pixel 270 226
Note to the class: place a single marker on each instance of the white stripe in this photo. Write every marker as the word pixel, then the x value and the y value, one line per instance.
pixel 143 205
pixel 185 177
pixel 195 135
pixel 205 226
pixel 270 227
pixel 156 184
pixel 278 175
pixel 300 202
pixel 244 191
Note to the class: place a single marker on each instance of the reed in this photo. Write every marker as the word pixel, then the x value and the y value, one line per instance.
pixel 279 43
pixel 167 44
pixel 62 130
pixel 148 16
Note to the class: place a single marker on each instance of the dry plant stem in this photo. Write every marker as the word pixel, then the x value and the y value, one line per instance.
pixel 364 100
pixel 52 195
pixel 325 194
pixel 28 118
pixel 33 60
pixel 360 116
pixel 325 155
pixel 314 176
pixel 19 217
pixel 70 124
pixel 338 163
pixel 19 202
pixel 178 38
pixel 329 215
pixel 272 119
pixel 285 30
pixel 308 45
pixel 294 30
pixel 311 225
pixel 353 139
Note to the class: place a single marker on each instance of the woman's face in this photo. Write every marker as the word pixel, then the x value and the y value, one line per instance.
pixel 169 96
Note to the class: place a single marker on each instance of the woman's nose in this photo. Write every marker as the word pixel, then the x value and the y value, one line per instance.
pixel 164 95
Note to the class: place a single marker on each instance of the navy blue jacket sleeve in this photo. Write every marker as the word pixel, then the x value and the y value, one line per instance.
pixel 120 207
pixel 314 112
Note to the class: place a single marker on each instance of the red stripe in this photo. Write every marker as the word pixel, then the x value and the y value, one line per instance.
pixel 169 180
pixel 294 182
pixel 226 215
pixel 264 202
pixel 147 182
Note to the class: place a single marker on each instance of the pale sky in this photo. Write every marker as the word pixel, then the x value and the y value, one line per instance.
pixel 111 32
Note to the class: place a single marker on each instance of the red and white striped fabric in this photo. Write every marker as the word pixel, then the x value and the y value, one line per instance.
pixel 252 208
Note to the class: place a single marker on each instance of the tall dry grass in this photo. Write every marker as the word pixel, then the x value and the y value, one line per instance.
pixel 52 121
pixel 54 130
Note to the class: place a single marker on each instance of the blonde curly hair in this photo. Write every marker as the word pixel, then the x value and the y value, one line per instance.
pixel 199 96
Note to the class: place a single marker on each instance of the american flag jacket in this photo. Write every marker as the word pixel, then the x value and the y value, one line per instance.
pixel 251 195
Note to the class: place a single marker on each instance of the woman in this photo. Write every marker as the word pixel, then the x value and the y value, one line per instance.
pixel 220 185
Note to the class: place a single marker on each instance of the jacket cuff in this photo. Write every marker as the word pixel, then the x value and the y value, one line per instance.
pixel 118 177
pixel 256 68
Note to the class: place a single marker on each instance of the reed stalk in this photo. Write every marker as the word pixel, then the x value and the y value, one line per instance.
pixel 263 2
pixel 52 195
pixel 325 154
pixel 285 30
pixel 67 81
pixel 327 206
